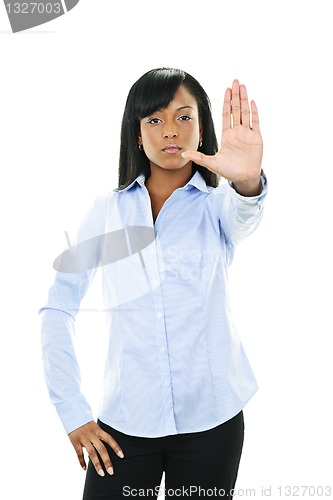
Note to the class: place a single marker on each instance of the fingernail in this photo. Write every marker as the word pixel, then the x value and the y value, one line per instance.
pixel 101 472
pixel 110 470
pixel 120 454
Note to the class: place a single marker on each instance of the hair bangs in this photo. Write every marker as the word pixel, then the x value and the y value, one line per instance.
pixel 157 90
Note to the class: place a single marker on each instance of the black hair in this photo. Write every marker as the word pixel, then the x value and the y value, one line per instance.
pixel 153 91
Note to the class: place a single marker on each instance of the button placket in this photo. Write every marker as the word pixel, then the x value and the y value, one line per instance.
pixel 161 348
pixel 154 274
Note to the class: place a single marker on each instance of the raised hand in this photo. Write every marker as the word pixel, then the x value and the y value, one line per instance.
pixel 240 154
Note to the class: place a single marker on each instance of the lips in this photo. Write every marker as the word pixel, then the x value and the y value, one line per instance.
pixel 171 149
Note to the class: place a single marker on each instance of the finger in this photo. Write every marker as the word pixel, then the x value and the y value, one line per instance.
pixel 107 438
pixel 255 117
pixel 80 456
pixel 226 113
pixel 104 456
pixel 235 103
pixel 94 457
pixel 244 104
pixel 207 161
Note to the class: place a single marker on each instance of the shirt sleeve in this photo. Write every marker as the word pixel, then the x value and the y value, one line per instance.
pixel 75 269
pixel 239 215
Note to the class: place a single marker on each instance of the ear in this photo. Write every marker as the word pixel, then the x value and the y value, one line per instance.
pixel 139 140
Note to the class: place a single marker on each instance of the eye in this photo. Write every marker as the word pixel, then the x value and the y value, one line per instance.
pixel 153 120
pixel 185 118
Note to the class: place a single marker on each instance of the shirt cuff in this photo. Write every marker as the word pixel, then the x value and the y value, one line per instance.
pixel 74 413
pixel 248 208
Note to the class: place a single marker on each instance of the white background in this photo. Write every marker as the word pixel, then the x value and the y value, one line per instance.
pixel 63 89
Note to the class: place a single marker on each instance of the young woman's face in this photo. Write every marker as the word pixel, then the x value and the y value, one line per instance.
pixel 166 133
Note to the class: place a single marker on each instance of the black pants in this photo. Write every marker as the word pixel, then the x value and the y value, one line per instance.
pixel 196 465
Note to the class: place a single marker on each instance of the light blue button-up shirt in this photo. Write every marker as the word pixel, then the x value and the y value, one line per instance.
pixel 175 362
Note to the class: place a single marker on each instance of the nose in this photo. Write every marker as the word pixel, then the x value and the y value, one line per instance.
pixel 170 130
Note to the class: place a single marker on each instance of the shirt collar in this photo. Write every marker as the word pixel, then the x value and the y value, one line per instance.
pixel 196 180
pixel 140 180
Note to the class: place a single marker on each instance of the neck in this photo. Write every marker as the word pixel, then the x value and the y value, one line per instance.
pixel 164 182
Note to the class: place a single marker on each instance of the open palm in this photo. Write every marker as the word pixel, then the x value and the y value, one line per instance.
pixel 240 154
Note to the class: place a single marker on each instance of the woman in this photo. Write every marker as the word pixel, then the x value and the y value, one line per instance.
pixel 176 377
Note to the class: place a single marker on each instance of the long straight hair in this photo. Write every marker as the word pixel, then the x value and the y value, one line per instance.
pixel 153 91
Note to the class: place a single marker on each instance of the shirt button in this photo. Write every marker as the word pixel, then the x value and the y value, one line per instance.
pixel 165 383
pixel 159 315
pixel 155 283
pixel 162 349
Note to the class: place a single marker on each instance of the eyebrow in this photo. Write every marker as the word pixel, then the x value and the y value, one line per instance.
pixel 178 109
pixel 184 107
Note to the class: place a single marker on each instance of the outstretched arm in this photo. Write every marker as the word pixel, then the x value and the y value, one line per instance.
pixel 239 157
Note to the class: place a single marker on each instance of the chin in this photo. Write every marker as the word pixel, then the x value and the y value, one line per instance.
pixel 172 164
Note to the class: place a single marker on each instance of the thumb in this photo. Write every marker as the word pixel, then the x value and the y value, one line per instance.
pixel 200 159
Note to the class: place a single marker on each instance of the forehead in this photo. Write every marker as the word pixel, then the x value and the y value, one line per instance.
pixel 181 99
